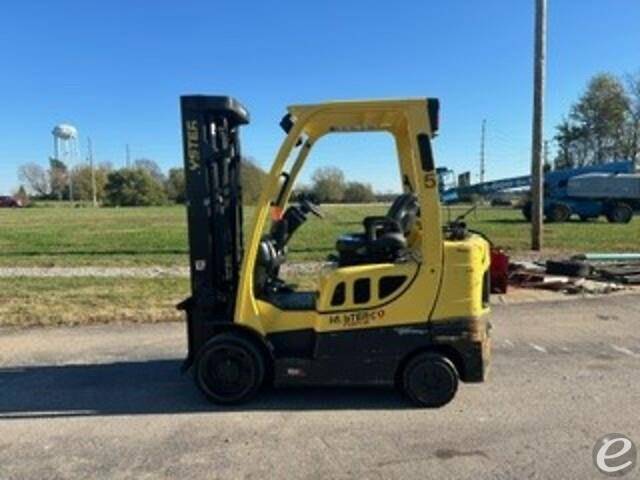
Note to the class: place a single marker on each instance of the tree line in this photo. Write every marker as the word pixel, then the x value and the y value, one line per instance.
pixel 329 185
pixel 603 125
pixel 144 184
pixel 141 184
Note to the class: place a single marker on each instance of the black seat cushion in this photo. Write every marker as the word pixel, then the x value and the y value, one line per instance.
pixel 357 249
pixel 390 242
pixel 358 243
pixel 384 238
pixel 351 242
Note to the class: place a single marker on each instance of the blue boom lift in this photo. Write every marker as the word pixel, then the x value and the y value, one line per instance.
pixel 611 189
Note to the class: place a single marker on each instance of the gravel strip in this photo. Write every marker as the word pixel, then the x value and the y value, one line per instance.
pixel 133 272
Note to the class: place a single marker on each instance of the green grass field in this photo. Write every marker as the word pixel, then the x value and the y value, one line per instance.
pixel 66 237
pixel 157 236
pixel 87 300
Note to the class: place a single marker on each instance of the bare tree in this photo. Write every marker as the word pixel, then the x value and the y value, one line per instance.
pixel 358 192
pixel 58 179
pixel 328 184
pixel 35 177
pixel 633 89
pixel 150 166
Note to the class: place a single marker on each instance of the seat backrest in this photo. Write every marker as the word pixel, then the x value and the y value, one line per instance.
pixel 404 210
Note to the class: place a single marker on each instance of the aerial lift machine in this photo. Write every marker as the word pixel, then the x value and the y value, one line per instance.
pixel 406 304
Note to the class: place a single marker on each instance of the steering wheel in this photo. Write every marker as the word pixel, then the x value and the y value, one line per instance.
pixel 308 205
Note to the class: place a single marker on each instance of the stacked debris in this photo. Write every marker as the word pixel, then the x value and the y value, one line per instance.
pixel 589 274
pixel 617 267
pixel 627 274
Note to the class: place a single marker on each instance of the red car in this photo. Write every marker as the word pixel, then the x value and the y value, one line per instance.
pixel 9 202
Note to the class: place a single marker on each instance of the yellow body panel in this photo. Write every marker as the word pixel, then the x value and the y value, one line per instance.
pixel 443 279
pixel 465 265
pixel 348 315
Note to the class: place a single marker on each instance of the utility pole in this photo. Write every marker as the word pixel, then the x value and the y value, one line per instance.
pixel 128 157
pixel 93 173
pixel 482 136
pixel 537 192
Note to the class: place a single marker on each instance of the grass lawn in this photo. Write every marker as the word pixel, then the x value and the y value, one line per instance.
pixel 88 236
pixel 86 300
pixel 506 228
pixel 157 235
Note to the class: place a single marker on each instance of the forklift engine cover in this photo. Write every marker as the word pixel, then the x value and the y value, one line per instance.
pixel 405 303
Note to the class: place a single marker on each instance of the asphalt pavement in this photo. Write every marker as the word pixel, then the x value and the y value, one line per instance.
pixel 110 402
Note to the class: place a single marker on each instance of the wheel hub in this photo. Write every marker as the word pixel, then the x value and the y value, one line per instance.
pixel 228 371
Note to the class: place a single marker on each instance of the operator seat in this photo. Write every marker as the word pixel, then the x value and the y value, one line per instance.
pixel 269 287
pixel 384 238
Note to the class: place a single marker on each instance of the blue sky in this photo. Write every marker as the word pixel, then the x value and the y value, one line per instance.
pixel 116 69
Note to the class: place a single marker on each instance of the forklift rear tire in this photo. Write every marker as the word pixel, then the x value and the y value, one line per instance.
pixel 430 380
pixel 229 369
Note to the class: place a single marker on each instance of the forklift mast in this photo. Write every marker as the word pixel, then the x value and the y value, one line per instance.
pixel 212 160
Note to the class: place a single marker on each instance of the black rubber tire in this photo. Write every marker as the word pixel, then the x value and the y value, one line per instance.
pixel 229 369
pixel 559 213
pixel 620 213
pixel 430 380
pixel 568 268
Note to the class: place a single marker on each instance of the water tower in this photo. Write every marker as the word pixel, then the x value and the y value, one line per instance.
pixel 65 148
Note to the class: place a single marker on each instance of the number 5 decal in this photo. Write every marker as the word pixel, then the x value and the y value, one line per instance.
pixel 429 180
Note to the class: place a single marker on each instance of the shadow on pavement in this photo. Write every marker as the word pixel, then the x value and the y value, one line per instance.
pixel 153 387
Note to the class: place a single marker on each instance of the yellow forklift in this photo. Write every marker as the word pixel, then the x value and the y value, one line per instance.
pixel 405 303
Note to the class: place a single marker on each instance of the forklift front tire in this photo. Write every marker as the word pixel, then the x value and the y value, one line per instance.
pixel 229 369
pixel 430 380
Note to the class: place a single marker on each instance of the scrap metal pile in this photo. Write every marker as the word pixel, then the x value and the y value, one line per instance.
pixel 588 273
